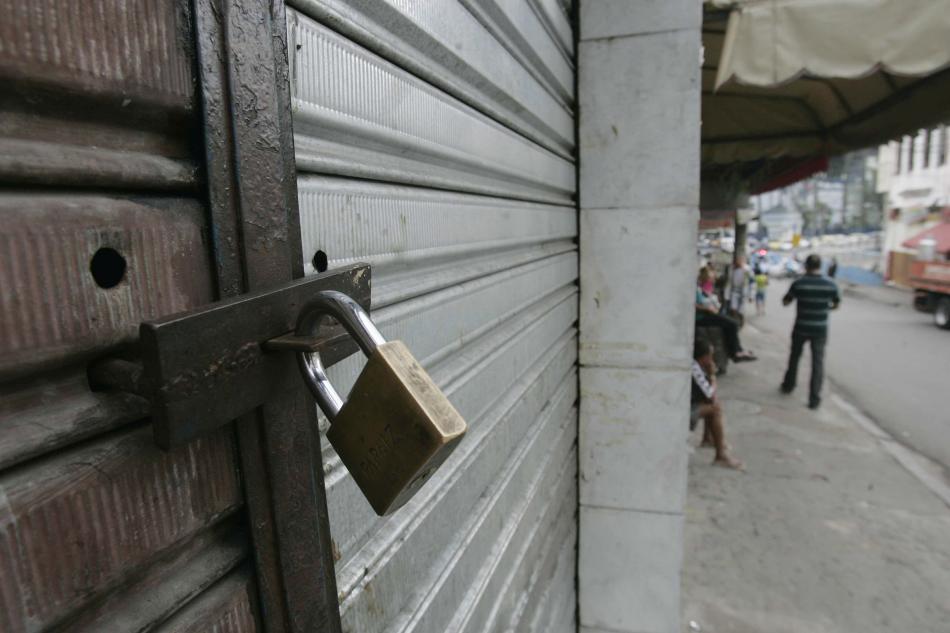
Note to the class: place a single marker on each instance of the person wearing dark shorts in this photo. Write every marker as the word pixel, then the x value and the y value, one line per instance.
pixel 816 296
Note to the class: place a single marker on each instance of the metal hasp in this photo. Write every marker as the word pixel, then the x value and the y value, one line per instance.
pixel 396 426
pixel 205 368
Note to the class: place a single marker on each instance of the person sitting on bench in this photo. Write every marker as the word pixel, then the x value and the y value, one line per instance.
pixel 707 315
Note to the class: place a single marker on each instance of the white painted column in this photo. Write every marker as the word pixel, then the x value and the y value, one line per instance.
pixel 639 92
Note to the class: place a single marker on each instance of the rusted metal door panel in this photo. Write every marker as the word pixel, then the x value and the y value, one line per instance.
pixel 101 225
pixel 58 409
pixel 87 519
pixel 166 586
pixel 81 271
pixel 146 167
pixel 228 607
pixel 129 49
pixel 97 94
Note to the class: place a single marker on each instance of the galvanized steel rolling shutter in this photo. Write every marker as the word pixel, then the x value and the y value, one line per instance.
pixel 436 141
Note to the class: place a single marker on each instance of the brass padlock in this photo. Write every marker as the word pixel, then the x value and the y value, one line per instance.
pixel 396 426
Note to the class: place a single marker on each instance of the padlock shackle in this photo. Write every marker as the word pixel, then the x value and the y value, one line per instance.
pixel 354 320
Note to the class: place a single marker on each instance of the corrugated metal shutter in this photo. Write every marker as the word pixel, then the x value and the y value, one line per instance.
pixel 103 225
pixel 436 141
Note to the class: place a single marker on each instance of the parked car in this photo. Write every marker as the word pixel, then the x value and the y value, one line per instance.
pixel 778 266
pixel 793 267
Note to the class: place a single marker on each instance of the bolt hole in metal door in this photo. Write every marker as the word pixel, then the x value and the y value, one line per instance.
pixel 320 261
pixel 107 267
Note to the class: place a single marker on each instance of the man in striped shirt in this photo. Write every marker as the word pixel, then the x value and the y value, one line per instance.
pixel 816 296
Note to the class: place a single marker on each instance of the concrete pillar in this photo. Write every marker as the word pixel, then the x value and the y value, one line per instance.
pixel 639 93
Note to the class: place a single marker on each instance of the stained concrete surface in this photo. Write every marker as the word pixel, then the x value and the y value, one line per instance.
pixel 824 532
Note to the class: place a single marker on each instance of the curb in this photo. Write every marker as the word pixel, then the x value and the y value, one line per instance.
pixel 926 471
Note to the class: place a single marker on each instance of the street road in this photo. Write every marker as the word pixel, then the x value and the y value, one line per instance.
pixel 889 360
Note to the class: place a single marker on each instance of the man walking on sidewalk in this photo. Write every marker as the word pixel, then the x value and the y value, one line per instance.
pixel 816 296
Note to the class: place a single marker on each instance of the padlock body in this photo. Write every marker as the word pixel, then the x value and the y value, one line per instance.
pixel 395 428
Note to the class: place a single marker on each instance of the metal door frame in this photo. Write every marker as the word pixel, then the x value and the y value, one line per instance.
pixel 242 72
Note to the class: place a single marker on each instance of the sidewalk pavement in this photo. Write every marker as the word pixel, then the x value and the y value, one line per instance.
pixel 825 532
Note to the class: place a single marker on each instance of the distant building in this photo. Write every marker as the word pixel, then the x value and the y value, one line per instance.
pixel 842 199
pixel 861 204
pixel 914 177
pixel 781 222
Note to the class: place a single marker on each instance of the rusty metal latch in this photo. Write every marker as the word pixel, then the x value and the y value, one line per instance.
pixel 202 369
